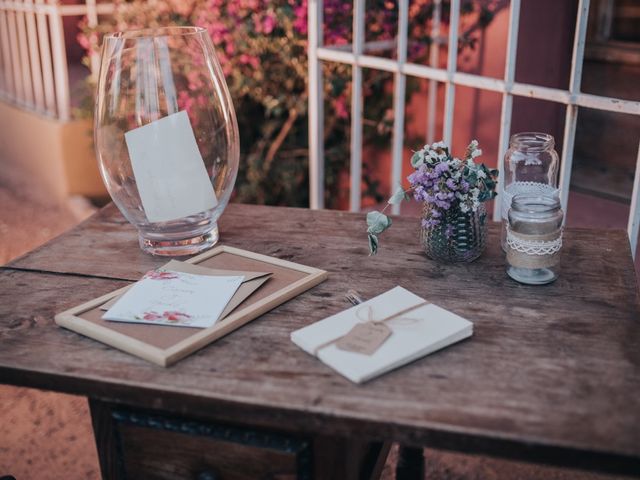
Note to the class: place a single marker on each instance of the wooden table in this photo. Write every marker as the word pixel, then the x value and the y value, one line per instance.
pixel 551 375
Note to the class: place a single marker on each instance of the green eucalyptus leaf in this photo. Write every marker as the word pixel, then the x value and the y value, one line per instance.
pixel 417 159
pixel 373 244
pixel 377 222
pixel 471 177
pixel 397 197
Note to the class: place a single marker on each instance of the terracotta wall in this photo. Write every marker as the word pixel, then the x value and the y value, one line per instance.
pixel 57 155
pixel 545 48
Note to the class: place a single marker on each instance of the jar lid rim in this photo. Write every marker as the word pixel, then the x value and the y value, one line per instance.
pixel 535 141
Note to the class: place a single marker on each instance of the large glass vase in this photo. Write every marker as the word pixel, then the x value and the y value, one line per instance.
pixel 166 136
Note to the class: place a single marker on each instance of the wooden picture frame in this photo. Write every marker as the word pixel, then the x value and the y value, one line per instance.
pixel 289 279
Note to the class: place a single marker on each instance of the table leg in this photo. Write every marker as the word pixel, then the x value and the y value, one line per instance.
pixel 105 437
pixel 410 464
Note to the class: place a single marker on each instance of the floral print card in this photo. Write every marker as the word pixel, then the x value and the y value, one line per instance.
pixel 175 298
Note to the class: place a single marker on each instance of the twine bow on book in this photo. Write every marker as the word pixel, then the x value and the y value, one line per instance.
pixel 396 317
pixel 370 333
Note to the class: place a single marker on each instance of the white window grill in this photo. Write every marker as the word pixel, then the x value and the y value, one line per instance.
pixel 33 57
pixel 355 55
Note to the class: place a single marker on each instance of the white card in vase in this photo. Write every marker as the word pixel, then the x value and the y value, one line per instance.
pixel 169 170
pixel 414 334
pixel 175 298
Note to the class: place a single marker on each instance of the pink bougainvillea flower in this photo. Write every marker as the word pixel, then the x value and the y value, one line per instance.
pixel 151 316
pixel 174 316
pixel 83 40
pixel 268 23
pixel 159 275
pixel 300 14
pixel 185 101
pixel 340 105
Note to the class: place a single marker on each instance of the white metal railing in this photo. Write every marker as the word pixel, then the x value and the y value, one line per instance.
pixel 33 58
pixel 356 56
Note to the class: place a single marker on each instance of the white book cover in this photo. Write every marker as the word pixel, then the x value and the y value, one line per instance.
pixel 417 333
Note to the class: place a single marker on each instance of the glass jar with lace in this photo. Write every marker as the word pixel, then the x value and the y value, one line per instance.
pixel 530 167
pixel 534 238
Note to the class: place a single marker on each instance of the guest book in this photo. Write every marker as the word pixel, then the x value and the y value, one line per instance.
pixel 381 334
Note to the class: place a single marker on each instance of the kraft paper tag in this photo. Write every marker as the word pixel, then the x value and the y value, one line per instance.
pixel 365 338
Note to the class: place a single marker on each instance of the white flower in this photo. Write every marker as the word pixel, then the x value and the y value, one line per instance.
pixel 481 174
pixel 439 144
pixel 476 153
pixel 464 208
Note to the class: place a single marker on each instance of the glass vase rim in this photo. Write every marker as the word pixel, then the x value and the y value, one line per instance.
pixel 532 141
pixel 157 32
pixel 532 203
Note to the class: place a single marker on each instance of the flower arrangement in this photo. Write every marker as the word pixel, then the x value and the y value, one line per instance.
pixel 443 183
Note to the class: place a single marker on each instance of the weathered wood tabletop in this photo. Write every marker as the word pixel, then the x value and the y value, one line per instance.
pixel 551 374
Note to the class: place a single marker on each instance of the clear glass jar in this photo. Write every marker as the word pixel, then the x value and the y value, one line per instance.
pixel 530 167
pixel 534 238
pixel 166 136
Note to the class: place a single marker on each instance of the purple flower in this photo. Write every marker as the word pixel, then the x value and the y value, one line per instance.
pixel 441 168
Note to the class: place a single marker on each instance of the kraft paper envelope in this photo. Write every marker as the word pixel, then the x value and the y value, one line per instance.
pixel 252 281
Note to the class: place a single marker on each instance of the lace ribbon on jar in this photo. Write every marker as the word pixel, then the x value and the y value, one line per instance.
pixel 533 251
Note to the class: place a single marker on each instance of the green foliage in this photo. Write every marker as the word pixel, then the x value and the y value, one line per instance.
pixel 398 196
pixel 377 222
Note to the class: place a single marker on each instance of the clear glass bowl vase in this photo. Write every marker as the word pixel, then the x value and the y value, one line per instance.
pixel 459 237
pixel 166 136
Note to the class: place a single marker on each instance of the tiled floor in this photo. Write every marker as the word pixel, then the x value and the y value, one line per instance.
pixel 45 435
